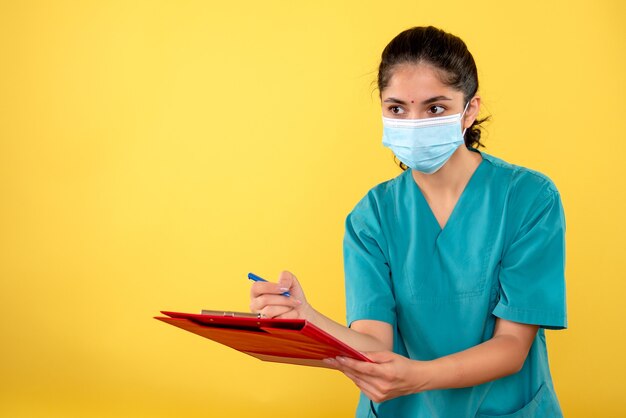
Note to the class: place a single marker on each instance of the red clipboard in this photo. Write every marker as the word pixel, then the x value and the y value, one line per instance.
pixel 291 341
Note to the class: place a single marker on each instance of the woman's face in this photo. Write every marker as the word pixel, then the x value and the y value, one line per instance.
pixel 415 91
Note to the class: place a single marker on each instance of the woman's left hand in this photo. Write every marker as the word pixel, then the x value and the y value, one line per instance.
pixel 390 376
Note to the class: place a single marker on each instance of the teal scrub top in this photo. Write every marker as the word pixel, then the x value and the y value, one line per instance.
pixel 500 255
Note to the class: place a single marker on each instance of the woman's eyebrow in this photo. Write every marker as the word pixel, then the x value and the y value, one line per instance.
pixel 394 100
pixel 425 102
pixel 435 99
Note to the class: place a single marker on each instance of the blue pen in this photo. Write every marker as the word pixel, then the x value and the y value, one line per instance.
pixel 256 278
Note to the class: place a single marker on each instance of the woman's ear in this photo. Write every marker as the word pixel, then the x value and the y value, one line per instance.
pixel 472 112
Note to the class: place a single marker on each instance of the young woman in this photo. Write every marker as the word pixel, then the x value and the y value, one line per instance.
pixel 454 268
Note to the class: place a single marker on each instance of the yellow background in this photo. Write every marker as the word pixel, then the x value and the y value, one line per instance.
pixel 154 152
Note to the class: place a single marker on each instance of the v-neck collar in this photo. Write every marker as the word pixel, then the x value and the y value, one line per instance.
pixel 459 201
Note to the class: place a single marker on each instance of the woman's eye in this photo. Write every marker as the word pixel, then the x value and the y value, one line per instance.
pixel 396 110
pixel 436 110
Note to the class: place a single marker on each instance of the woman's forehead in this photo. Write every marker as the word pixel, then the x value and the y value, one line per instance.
pixel 419 80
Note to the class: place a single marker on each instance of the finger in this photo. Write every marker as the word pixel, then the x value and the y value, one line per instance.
pixel 292 314
pixel 359 367
pixel 332 363
pixel 262 288
pixel 286 279
pixel 348 371
pixel 289 282
pixel 335 364
pixel 379 356
pixel 259 303
pixel 268 299
pixel 275 311
pixel 340 365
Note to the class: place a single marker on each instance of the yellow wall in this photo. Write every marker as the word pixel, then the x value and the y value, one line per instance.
pixel 152 153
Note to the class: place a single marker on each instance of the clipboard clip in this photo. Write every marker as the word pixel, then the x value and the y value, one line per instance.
pixel 232 314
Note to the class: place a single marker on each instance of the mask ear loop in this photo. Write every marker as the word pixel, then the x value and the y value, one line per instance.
pixel 462 114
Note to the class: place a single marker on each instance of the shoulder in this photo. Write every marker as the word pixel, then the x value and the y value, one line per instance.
pixel 378 205
pixel 529 195
pixel 523 183
pixel 380 195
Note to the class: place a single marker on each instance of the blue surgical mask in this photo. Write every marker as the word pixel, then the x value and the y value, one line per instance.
pixel 424 144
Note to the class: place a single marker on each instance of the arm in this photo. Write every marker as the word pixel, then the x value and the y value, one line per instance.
pixel 502 355
pixel 393 375
pixel 531 289
pixel 266 299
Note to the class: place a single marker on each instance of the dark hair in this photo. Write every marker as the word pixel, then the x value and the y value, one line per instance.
pixel 444 51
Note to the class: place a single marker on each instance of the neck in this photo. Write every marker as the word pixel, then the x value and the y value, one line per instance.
pixel 453 176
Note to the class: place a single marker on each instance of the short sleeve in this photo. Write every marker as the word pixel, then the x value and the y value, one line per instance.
pixel 532 275
pixel 369 292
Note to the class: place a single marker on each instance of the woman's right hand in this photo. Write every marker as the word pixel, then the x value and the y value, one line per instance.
pixel 266 299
